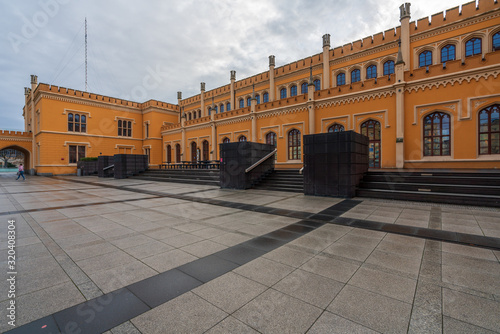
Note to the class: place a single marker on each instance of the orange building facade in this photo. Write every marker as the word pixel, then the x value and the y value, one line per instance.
pixel 426 93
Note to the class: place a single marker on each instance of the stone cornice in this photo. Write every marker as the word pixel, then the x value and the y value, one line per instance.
pixel 454 26
pixel 86 102
pixel 364 53
pixel 7 138
pixel 452 79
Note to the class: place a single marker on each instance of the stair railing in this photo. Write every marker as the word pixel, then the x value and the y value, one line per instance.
pixel 301 170
pixel 261 161
pixel 109 167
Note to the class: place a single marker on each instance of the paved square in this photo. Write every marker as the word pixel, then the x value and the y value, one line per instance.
pixel 151 257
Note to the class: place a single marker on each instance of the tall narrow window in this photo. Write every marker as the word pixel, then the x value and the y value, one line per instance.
pixel 371 72
pixel 222 108
pixel 194 153
pixel 265 97
pixel 242 138
pixel 425 58
pixel 496 41
pixel 437 134
pixel 147 130
pixel 190 116
pixel 371 129
pixel 336 128
pixel 283 93
pixel 317 84
pixel 177 153
pixel 257 97
pixel 389 67
pixel 226 140
pixel 489 130
pixel 294 145
pixel 340 79
pixel 448 53
pixel 473 47
pixel 242 103
pixel 206 150
pixel 249 101
pixel 215 109
pixel 70 122
pixel 355 76
pixel 303 88
pixel 169 154
pixel 271 139
pixel 228 106
pixel 293 90
pixel 76 153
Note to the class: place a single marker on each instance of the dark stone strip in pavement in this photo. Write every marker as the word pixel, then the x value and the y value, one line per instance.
pixel 112 309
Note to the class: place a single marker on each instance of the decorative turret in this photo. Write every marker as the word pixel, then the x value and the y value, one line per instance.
pixel 404 11
pixel 326 40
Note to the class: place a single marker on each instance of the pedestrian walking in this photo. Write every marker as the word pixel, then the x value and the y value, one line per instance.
pixel 20 172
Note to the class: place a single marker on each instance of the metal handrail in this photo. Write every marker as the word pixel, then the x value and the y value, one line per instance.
pixel 301 170
pixel 261 160
pixel 110 166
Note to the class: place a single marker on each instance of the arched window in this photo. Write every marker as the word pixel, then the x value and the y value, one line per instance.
pixel 242 103
pixel 257 97
pixel 293 90
pixel 169 154
pixel 206 150
pixel 496 41
pixel 221 108
pixel 83 123
pixel 225 140
pixel 489 130
pixel 425 58
pixel 448 53
pixel 317 84
pixel 194 153
pixel 265 97
pixel 194 114
pixel 371 72
pixel 389 67
pixel 355 76
pixel 473 47
pixel 199 113
pixel 283 93
pixel 336 128
pixel 303 88
pixel 371 129
pixel 340 79
pixel 215 109
pixel 189 114
pixel 77 122
pixel 242 138
pixel 294 145
pixel 71 120
pixel 249 101
pixel 437 134
pixel 177 153
pixel 271 138
pixel 228 106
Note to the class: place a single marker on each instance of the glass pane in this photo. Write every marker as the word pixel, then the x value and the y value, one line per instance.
pixel 72 154
pixel 119 131
pixel 70 117
pixel 77 118
pixel 77 127
pixel 84 128
pixel 129 133
pixel 84 119
pixel 483 128
pixel 129 125
pixel 81 152
pixel 70 126
pixel 119 123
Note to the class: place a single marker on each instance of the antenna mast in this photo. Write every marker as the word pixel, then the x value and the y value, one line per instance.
pixel 85 54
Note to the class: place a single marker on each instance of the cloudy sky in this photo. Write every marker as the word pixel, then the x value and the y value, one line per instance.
pixel 141 50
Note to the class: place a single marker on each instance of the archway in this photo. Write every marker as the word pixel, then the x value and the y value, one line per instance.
pixel 14 158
